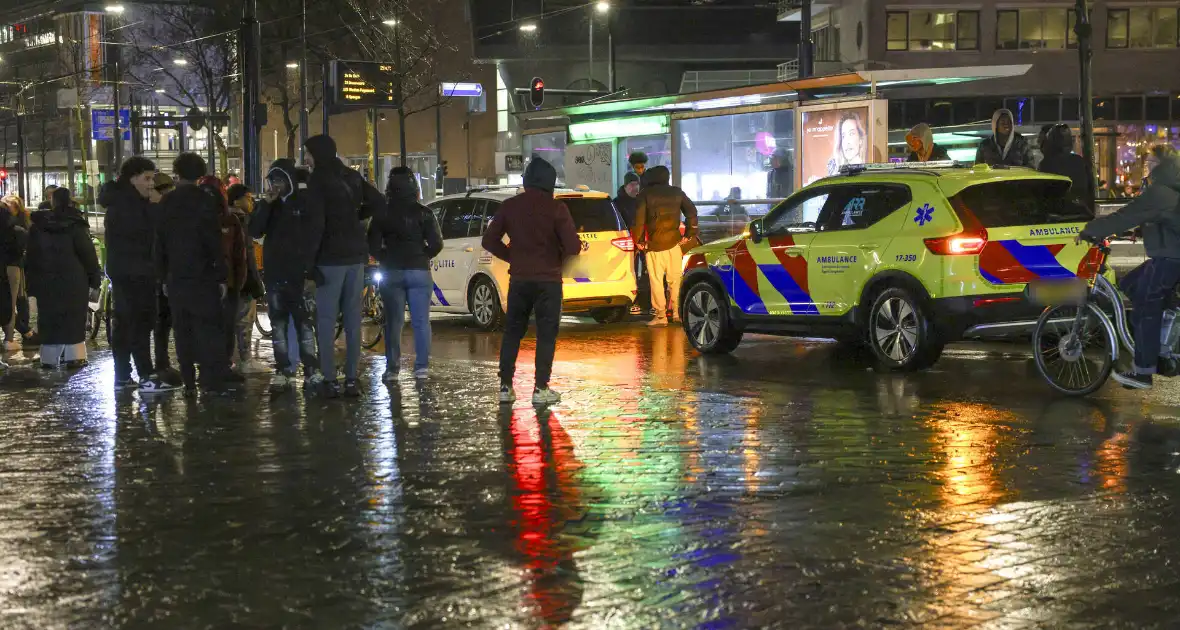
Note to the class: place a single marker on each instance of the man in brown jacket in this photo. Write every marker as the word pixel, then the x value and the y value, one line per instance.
pixel 657 232
pixel 541 236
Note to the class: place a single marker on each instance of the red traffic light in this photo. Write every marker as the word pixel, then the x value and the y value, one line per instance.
pixel 3 174
pixel 537 93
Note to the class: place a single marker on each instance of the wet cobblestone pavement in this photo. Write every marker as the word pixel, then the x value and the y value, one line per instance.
pixel 786 486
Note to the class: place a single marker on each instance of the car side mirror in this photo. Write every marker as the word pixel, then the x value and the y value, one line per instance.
pixel 756 230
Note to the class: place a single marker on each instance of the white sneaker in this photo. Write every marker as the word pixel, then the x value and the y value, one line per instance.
pixel 252 367
pixel 281 383
pixel 155 386
pixel 312 383
pixel 546 397
pixel 3 366
pixel 507 396
pixel 421 374
pixel 659 321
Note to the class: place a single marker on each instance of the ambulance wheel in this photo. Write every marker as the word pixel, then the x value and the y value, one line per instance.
pixel 484 302
pixel 900 332
pixel 706 320
pixel 610 314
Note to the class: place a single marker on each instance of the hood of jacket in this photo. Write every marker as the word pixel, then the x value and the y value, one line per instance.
pixel 322 148
pixel 402 186
pixel 923 133
pixel 114 192
pixel 999 113
pixel 285 167
pixel 1167 173
pixel 657 175
pixel 540 175
pixel 57 221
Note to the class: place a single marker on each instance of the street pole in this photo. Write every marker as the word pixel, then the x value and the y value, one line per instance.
pixel 44 148
pixel 401 110
pixel 326 101
pixel 251 96
pixel 805 47
pixel 303 84
pixel 375 157
pixel 467 127
pixel 69 158
pixel 1084 32
pixel 438 137
pixel 590 57
pixel 118 140
pixel 21 183
pixel 610 54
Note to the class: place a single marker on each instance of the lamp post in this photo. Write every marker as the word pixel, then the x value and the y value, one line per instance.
pixel 1084 32
pixel 602 7
pixel 303 83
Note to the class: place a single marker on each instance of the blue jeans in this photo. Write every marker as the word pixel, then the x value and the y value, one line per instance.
pixel 340 292
pixel 398 287
pixel 1149 286
pixel 289 322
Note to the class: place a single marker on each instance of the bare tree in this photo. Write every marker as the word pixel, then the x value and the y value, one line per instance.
pixel 407 33
pixel 281 48
pixel 189 51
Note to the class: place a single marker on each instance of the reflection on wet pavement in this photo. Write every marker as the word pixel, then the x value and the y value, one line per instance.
pixel 785 486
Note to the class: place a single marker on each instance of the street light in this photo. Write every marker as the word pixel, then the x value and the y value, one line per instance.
pixel 390 22
pixel 603 6
pixel 180 62
pixel 160 90
pixel 117 9
pixel 528 27
pixel 293 65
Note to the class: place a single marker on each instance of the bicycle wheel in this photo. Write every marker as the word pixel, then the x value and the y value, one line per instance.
pixel 372 318
pixel 262 320
pixel 1074 362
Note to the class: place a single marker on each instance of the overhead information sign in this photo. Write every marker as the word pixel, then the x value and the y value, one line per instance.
pixel 471 90
pixel 363 84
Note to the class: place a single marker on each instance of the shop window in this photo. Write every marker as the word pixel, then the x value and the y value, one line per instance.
pixel 739 156
pixel 551 147
pixel 897 115
pixel 940 113
pixel 1103 109
pixel 915 112
pixel 657 148
pixel 1046 109
pixel 1156 108
pixel 965 111
pixel 1021 110
pixel 1130 108
pixel 1031 29
pixel 1007 30
pixel 1116 28
pixel 897 30
pixel 1070 108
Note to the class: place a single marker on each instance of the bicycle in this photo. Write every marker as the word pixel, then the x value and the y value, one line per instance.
pixel 100 313
pixel 372 312
pixel 1076 344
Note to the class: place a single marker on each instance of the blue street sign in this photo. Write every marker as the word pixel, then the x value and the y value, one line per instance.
pixel 102 123
pixel 471 90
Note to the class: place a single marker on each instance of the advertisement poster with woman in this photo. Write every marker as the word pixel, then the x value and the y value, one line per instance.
pixel 833 139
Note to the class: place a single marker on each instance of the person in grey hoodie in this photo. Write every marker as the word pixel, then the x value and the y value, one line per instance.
pixel 1149 285
pixel 1005 147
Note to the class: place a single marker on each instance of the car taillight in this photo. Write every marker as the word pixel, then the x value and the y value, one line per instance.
pixel 626 243
pixel 961 244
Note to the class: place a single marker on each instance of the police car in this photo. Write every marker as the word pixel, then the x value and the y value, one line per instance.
pixel 600 282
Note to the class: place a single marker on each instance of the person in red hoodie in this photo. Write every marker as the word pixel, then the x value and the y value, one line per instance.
pixel 541 236
pixel 233 247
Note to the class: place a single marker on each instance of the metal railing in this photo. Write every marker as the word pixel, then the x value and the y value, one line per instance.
pixel 788 70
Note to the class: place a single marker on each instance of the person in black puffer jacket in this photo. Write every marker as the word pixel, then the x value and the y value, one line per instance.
pixel 282 219
pixel 64 275
pixel 403 239
pixel 1061 160
pixel 338 200
pixel 130 228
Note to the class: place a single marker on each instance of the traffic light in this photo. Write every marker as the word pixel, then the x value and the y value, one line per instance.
pixel 3 174
pixel 537 93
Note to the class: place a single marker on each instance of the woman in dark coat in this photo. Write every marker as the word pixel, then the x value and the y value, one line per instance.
pixel 63 270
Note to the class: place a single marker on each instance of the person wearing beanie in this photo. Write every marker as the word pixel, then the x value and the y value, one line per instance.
pixel 283 222
pixel 403 239
pixel 338 202
pixel 541 236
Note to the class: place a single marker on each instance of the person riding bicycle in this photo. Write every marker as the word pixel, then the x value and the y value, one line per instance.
pixel 1157 212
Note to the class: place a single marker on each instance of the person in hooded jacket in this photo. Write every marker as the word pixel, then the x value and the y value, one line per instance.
pixel 338 200
pixel 403 239
pixel 192 264
pixel 1005 146
pixel 541 236
pixel 1059 159
pixel 1157 213
pixel 241 205
pixel 129 228
pixel 64 276
pixel 282 220
pixel 657 233
pixel 920 140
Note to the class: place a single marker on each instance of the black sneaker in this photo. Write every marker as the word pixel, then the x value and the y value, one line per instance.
pixel 1133 380
pixel 127 383
pixel 155 385
pixel 350 389
pixel 331 389
pixel 170 376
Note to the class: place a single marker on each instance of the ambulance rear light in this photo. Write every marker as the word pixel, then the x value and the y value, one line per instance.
pixel 626 243
pixel 961 244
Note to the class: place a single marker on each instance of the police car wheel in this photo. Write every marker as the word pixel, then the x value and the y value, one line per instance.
pixel 484 303
pixel 900 332
pixel 706 320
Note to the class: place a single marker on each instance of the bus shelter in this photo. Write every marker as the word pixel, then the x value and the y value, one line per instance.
pixel 739 151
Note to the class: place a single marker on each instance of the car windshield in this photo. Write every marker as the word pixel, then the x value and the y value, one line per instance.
pixel 1022 202
pixel 593 214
